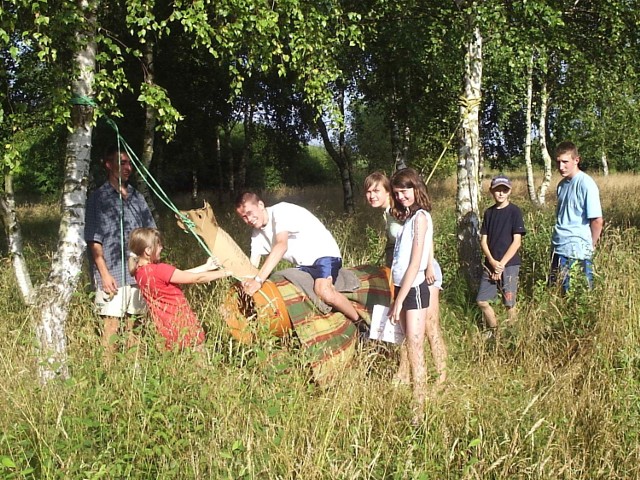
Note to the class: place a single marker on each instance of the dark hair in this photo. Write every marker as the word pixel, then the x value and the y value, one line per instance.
pixel 409 178
pixel 111 152
pixel 377 178
pixel 247 196
pixel 567 147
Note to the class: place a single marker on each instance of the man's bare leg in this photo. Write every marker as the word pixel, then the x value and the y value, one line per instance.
pixel 324 289
pixel 109 338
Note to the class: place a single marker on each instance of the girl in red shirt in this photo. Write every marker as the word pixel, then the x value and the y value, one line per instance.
pixel 158 282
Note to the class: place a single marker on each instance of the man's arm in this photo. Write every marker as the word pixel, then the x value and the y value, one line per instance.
pixel 109 284
pixel 596 225
pixel 278 250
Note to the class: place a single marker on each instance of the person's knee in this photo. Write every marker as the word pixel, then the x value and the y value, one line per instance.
pixel 324 291
pixel 483 304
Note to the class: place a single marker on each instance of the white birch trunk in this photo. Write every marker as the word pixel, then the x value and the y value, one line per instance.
pixel 14 241
pixel 546 157
pixel 531 186
pixel 467 209
pixel 55 295
pixel 605 163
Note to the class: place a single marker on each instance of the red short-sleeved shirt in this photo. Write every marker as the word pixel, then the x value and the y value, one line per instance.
pixel 169 308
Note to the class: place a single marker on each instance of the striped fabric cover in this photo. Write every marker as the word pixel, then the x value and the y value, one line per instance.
pixel 329 340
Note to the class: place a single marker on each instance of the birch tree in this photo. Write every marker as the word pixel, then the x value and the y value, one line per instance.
pixel 54 296
pixel 467 209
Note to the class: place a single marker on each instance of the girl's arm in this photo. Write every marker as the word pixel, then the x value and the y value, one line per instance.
pixel 420 226
pixel 211 264
pixel 430 273
pixel 182 277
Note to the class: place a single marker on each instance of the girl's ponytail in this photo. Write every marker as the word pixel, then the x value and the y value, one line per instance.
pixel 133 263
pixel 139 240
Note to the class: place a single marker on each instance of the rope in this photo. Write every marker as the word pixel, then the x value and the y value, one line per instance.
pixel 146 176
pixel 155 187
pixel 444 150
pixel 467 104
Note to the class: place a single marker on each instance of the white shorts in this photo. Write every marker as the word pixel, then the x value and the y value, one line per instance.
pixel 438 273
pixel 128 300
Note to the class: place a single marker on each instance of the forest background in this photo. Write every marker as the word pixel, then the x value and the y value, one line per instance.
pixel 221 96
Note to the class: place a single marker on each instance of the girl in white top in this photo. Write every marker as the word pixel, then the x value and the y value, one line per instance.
pixel 412 272
pixel 377 188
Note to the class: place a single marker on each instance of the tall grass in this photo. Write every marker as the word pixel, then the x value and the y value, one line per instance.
pixel 556 397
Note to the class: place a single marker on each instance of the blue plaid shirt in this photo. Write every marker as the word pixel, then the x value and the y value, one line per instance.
pixel 102 225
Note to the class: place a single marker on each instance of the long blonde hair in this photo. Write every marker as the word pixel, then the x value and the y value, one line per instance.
pixel 139 240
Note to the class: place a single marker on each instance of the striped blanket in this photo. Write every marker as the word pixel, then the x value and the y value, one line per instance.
pixel 329 340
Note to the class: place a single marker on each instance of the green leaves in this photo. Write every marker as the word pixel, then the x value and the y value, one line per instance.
pixel 167 115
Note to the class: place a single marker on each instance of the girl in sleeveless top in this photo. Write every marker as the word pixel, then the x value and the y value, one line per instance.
pixel 412 272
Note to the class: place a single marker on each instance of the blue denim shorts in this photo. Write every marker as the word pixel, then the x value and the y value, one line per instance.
pixel 324 267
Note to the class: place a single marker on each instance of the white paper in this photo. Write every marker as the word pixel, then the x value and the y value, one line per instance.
pixel 382 328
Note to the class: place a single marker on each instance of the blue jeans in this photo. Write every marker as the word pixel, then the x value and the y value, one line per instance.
pixel 561 267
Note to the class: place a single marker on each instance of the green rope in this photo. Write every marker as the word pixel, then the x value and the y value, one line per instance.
pixel 155 187
pixel 146 176
pixel 86 101
pixel 122 239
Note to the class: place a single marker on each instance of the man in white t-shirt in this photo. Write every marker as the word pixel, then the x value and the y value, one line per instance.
pixel 289 231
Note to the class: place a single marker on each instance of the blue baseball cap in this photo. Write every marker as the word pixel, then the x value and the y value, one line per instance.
pixel 500 180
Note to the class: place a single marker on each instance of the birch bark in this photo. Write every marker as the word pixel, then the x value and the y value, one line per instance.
pixel 14 240
pixel 467 209
pixel 54 296
pixel 531 185
pixel 546 157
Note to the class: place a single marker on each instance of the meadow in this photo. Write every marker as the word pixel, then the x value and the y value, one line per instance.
pixel 558 396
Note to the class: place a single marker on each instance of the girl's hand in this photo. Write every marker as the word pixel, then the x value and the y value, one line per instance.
pixel 394 312
pixel 430 275
pixel 212 263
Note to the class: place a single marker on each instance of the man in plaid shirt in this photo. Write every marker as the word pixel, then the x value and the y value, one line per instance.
pixel 113 211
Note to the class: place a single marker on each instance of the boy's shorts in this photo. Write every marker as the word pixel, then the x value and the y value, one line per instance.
pixel 507 285
pixel 324 267
pixel 417 298
pixel 128 300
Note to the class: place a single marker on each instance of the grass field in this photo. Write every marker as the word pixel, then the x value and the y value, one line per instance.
pixel 556 397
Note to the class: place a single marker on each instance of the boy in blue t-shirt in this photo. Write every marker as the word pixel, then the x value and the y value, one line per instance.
pixel 579 219
pixel 500 238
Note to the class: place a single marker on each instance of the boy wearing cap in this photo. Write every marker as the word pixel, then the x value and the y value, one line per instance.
pixel 500 238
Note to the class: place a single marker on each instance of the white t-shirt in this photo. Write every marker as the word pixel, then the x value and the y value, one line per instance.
pixel 309 239
pixel 402 251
